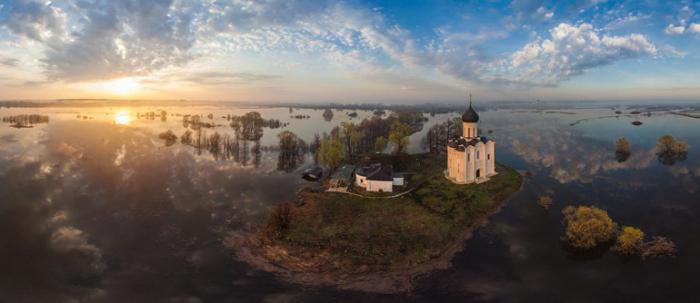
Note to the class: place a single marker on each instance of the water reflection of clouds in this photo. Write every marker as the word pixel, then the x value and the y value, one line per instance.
pixel 42 248
pixel 567 154
pixel 105 192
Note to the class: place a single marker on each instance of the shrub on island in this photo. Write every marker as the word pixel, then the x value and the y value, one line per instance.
pixel 629 241
pixel 588 226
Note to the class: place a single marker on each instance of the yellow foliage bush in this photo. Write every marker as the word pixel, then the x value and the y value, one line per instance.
pixel 629 241
pixel 588 226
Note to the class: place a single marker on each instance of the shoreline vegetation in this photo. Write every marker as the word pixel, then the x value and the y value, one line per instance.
pixel 375 245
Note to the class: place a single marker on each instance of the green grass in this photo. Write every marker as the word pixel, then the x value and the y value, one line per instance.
pixel 399 232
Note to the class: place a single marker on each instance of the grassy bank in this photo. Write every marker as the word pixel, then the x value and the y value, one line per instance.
pixel 349 234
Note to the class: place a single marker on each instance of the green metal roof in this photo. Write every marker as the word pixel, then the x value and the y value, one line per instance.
pixel 343 173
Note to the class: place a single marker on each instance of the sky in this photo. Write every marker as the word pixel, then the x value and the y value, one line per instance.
pixel 376 51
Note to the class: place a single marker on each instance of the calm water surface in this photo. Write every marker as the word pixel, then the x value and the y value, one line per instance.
pixel 100 210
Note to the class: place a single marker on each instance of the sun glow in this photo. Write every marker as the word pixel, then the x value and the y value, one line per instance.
pixel 122 86
pixel 122 118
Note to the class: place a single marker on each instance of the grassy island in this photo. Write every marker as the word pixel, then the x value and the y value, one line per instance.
pixel 344 235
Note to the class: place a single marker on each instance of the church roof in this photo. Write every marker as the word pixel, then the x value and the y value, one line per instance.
pixel 470 115
pixel 461 143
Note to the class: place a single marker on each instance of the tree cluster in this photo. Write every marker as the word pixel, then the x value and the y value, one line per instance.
pixel 588 227
pixel 439 134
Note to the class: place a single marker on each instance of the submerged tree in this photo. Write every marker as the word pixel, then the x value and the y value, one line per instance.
pixel 331 152
pixel 351 137
pixel 292 151
pixel 380 144
pixel 658 247
pixel 186 137
pixel 314 146
pixel 398 135
pixel 622 149
pixel 169 137
pixel 669 150
pixel 629 241
pixel 588 226
pixel 328 114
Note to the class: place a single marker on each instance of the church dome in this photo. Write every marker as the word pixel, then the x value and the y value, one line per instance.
pixel 470 115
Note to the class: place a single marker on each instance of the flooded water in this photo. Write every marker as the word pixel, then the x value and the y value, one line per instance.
pixel 99 209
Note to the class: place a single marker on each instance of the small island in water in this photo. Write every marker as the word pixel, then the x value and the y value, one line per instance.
pixel 374 229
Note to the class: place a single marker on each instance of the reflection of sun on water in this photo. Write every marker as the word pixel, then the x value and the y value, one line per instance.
pixel 122 118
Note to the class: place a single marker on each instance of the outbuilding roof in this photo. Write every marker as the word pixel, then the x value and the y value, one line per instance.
pixel 376 172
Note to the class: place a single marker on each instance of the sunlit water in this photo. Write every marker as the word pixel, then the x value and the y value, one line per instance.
pixel 98 209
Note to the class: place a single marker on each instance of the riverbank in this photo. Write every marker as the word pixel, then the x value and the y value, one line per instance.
pixel 375 245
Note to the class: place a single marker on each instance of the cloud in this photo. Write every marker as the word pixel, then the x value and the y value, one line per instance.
pixel 219 78
pixel 121 38
pixel 33 20
pixel 8 62
pixel 673 52
pixel 627 21
pixel 530 10
pixel 572 50
pixel 112 39
pixel 674 30
pixel 694 28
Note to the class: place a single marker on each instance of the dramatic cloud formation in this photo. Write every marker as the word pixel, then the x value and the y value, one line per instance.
pixel 512 47
pixel 571 50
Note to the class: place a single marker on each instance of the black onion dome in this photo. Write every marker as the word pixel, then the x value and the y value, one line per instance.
pixel 470 115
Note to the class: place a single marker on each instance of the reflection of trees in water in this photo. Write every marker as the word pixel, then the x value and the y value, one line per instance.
pixel 195 122
pixel 223 147
pixel 562 152
pixel 357 138
pixel 622 150
pixel 669 150
pixel 291 151
pixel 251 125
pixel 163 116
pixel 257 154
pixel 169 137
pixel 245 154
pixel 26 119
pixel 362 137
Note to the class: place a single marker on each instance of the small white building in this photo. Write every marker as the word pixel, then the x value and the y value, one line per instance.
pixel 470 158
pixel 377 177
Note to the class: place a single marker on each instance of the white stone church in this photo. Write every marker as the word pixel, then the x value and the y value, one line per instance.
pixel 470 158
